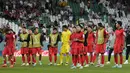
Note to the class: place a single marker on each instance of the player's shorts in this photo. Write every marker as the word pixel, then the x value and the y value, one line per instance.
pixel 65 49
pixel 39 50
pixel 117 49
pixel 89 48
pixel 24 50
pixel 100 48
pixel 85 49
pixel 80 49
pixel 8 50
pixel 32 51
pixel 53 50
pixel 74 51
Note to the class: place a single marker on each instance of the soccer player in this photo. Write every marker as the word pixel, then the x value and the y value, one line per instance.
pixel 90 44
pixel 80 44
pixel 127 45
pixel 24 48
pixel 65 39
pixel 53 44
pixel 101 39
pixel 118 44
pixel 38 43
pixel 9 48
pixel 32 51
pixel 74 50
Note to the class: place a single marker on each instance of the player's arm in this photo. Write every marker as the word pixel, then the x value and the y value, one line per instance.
pixel 123 39
pixel 42 39
pixel 20 39
pixel 94 39
pixel 28 39
pixel 81 40
pixel 106 36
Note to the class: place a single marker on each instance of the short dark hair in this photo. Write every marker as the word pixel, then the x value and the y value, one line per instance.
pixel 55 28
pixel 65 26
pixel 90 26
pixel 119 22
pixel 100 25
pixel 36 28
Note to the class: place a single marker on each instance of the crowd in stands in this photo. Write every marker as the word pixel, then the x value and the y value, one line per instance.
pixel 60 12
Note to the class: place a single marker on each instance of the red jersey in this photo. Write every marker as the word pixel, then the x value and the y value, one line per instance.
pixel 79 36
pixel 9 39
pixel 119 37
pixel 91 38
pixel 72 38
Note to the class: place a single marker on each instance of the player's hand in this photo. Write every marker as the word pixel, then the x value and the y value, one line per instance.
pixel 75 39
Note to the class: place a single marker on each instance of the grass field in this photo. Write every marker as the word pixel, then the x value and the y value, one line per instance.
pixel 61 69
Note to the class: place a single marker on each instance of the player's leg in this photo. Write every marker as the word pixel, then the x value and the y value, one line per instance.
pixel 28 59
pixel 40 55
pixel 72 59
pixel 127 55
pixel 109 55
pixel 67 58
pixel 14 59
pixel 50 55
pixel 34 52
pixel 67 50
pixel 96 54
pixel 23 56
pixel 61 55
pixel 75 60
pixel 55 59
pixel 81 61
pixel 102 60
pixel 86 56
pixel 55 55
pixel 61 59
pixel 34 59
pixel 5 61
pixel 11 61
pixel 121 60
pixel 23 60
pixel 86 59
pixel 116 60
pixel 91 58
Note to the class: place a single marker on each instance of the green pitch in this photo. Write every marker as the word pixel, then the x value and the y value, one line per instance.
pixel 61 69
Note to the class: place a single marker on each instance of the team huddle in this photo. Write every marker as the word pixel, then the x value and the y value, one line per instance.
pixel 78 42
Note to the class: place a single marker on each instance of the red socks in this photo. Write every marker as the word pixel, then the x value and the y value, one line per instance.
pixel 29 59
pixel 86 58
pixel 91 57
pixel 121 59
pixel 102 59
pixel 23 59
pixel 75 60
pixel 50 58
pixel 14 59
pixel 11 62
pixel 33 59
pixel 94 58
pixel 55 58
pixel 116 59
pixel 81 60
pixel 5 61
